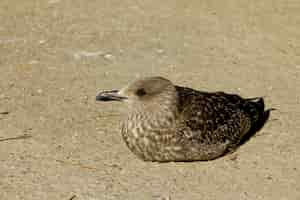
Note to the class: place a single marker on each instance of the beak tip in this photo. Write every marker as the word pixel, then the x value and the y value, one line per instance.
pixel 101 97
pixel 98 98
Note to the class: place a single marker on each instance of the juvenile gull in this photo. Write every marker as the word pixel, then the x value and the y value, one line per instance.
pixel 166 122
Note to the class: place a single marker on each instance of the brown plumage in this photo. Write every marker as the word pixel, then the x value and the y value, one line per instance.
pixel 166 122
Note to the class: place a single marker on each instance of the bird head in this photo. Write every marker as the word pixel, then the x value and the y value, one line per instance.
pixel 146 92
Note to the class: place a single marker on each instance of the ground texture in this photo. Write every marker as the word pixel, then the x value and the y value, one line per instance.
pixel 56 55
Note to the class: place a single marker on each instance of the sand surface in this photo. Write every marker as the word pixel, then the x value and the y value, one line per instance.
pixel 55 55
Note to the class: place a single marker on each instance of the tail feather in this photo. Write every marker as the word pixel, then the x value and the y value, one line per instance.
pixel 255 108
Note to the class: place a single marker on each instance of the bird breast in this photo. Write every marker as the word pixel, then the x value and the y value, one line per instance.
pixel 147 134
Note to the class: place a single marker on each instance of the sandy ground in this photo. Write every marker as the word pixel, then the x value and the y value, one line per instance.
pixel 55 55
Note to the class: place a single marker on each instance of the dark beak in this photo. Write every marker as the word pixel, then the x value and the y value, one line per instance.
pixel 112 95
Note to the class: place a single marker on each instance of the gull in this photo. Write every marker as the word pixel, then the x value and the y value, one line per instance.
pixel 165 122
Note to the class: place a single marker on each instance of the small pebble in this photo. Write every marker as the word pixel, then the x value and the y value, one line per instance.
pixel 33 62
pixel 40 91
pixel 108 56
pixel 160 51
pixel 53 1
pixel 4 113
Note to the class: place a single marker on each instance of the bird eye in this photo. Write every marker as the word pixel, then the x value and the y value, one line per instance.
pixel 140 92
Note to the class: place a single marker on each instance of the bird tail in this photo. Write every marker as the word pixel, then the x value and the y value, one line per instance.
pixel 255 108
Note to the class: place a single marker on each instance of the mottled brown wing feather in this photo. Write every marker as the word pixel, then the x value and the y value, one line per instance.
pixel 211 118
